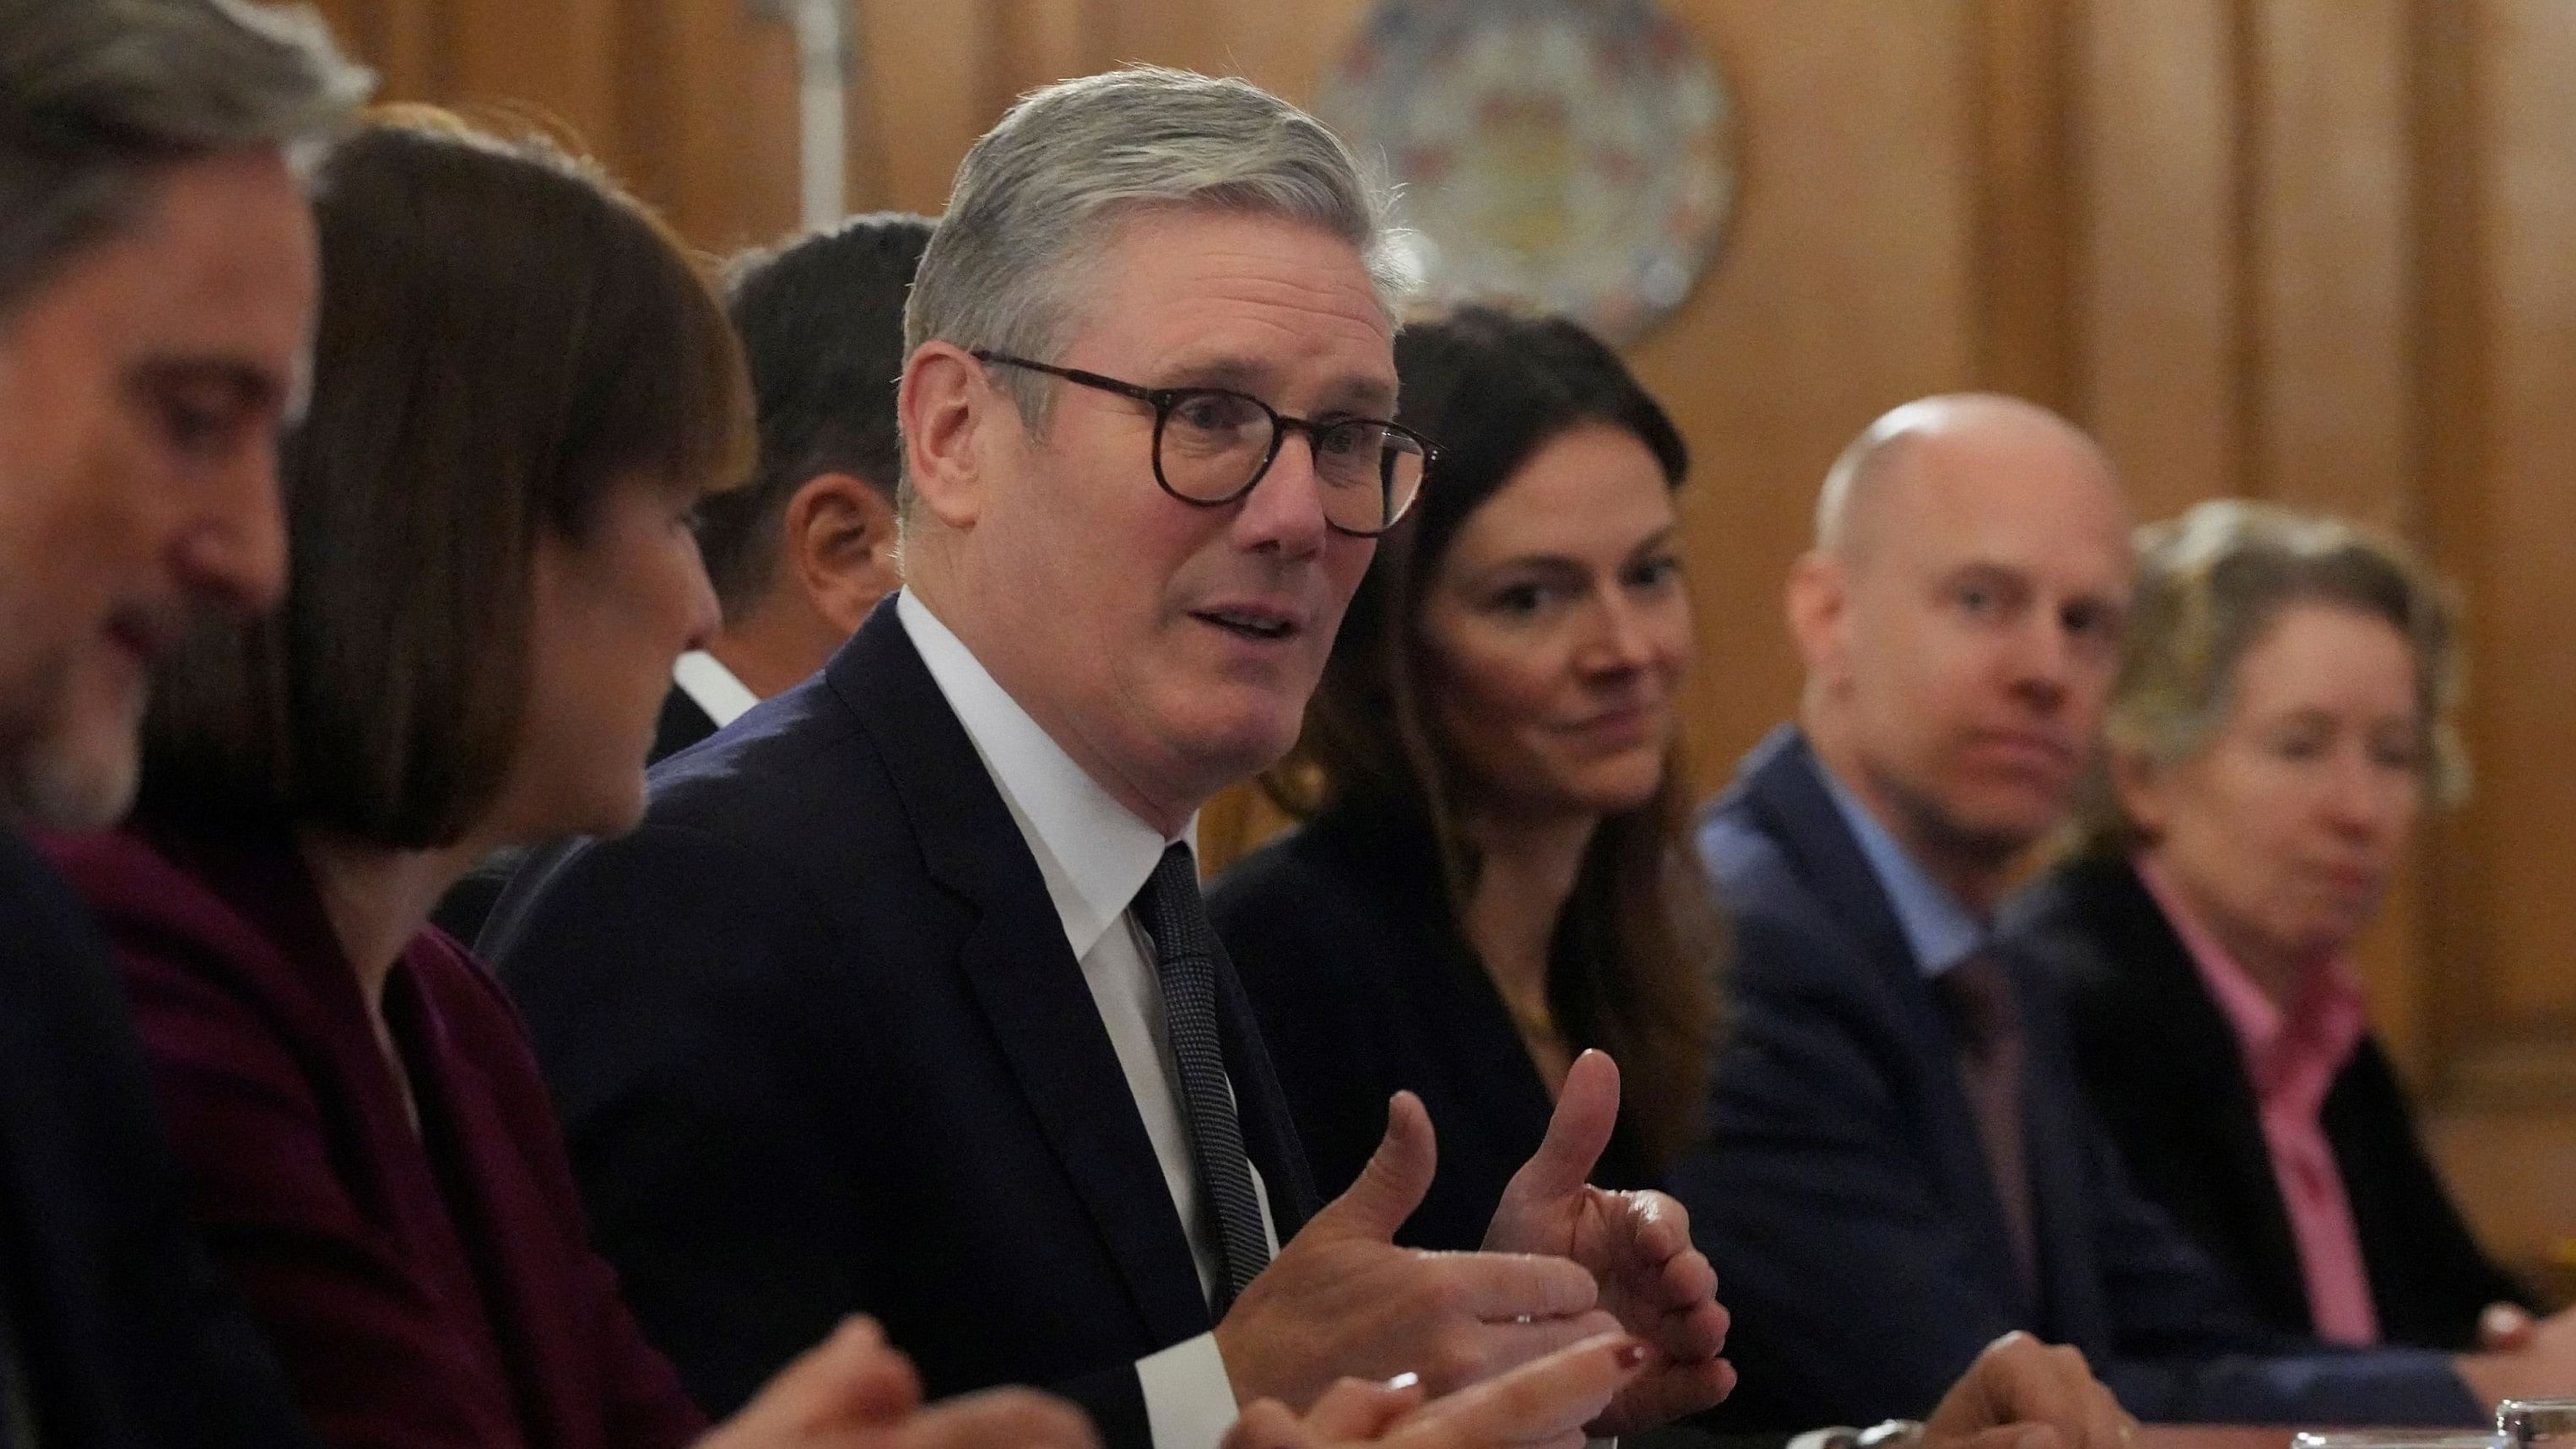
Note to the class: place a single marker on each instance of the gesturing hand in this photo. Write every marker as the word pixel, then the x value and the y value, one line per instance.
pixel 1637 1246
pixel 1342 1301
pixel 855 1391
pixel 1540 1405
pixel 2024 1394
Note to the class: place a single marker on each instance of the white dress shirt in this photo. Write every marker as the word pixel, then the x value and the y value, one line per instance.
pixel 1095 855
pixel 704 679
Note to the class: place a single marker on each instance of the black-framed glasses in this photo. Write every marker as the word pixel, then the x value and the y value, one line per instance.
pixel 1212 444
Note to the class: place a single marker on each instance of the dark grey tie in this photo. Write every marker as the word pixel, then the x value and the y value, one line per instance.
pixel 1977 995
pixel 1185 956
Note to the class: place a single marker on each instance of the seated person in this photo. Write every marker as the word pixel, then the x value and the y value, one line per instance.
pixel 2280 718
pixel 156 303
pixel 801 552
pixel 1495 877
pixel 1901 1165
pixel 520 389
pixel 903 999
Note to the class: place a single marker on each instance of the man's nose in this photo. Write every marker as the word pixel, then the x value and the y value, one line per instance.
pixel 1284 512
pixel 231 554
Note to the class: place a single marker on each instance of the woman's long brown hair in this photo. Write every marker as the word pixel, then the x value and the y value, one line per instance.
pixel 1638 953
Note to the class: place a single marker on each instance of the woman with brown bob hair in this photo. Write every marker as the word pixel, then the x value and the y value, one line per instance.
pixel 522 387
pixel 2280 721
pixel 1495 874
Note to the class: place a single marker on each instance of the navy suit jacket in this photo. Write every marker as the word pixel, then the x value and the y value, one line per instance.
pixel 124 1334
pixel 1847 1204
pixel 820 1047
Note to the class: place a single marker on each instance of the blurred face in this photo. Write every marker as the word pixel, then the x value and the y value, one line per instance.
pixel 1963 651
pixel 142 388
pixel 612 611
pixel 2284 830
pixel 1556 631
pixel 1170 648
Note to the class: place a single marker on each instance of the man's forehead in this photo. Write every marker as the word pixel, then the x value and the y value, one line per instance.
pixel 2068 528
pixel 1223 299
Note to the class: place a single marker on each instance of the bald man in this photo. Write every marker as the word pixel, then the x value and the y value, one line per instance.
pixel 1900 1167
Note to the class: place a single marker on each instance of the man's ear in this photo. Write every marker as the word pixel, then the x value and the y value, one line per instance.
pixel 1818 601
pixel 839 547
pixel 946 405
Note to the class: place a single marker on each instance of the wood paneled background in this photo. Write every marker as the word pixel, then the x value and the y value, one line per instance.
pixel 2316 250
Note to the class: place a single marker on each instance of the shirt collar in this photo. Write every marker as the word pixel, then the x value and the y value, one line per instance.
pixel 705 680
pixel 1939 928
pixel 1094 852
pixel 2311 1040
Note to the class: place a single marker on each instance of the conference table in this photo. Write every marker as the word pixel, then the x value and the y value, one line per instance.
pixel 2212 1436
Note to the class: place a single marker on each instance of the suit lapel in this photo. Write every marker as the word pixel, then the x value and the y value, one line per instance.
pixel 1021 972
pixel 2201 1051
pixel 1785 788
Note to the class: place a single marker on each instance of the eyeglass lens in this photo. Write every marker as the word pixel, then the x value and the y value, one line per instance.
pixel 1213 445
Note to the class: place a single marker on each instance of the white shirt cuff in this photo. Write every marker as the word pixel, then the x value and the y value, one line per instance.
pixel 1189 1402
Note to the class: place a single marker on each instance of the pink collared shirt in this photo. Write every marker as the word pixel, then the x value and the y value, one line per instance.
pixel 2293 1058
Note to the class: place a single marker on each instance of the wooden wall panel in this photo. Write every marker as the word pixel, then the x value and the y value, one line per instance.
pixel 2314 250
pixel 2523 589
pixel 2158 313
pixel 2029 179
pixel 1848 285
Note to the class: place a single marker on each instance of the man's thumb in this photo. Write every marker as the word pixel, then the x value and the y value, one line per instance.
pixel 1397 1175
pixel 854 1376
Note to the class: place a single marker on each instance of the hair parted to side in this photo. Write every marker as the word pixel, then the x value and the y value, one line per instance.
pixel 505 340
pixel 1642 942
pixel 98 97
pixel 821 320
pixel 2211 584
pixel 1037 196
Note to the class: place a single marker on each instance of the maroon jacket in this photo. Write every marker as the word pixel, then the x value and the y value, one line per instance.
pixel 430 1290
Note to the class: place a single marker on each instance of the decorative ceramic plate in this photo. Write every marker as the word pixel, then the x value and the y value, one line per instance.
pixel 1570 154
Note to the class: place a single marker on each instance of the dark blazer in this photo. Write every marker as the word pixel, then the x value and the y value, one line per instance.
pixel 1365 985
pixel 821 1048
pixel 422 1289
pixel 681 724
pixel 1847 1205
pixel 125 1336
pixel 2165 1074
pixel 468 904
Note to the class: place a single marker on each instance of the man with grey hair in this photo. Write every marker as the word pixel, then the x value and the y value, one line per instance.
pixel 157 283
pixel 903 998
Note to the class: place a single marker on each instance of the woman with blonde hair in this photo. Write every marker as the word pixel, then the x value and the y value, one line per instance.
pixel 2280 722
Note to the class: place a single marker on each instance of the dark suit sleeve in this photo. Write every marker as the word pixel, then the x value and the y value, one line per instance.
pixel 2191 1353
pixel 2412 1233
